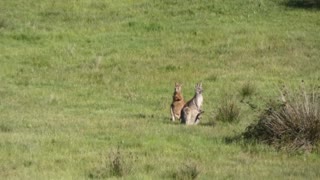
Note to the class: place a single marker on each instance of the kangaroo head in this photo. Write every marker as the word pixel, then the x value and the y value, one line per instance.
pixel 177 87
pixel 199 88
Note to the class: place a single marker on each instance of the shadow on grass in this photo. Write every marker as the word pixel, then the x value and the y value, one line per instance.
pixel 238 139
pixel 155 118
pixel 305 4
pixel 170 122
pixel 178 123
pixel 210 124
pixel 143 116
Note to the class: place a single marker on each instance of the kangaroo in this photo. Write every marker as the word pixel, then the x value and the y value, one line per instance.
pixel 190 113
pixel 177 102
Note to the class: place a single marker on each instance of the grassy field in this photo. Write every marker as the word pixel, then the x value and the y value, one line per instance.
pixel 86 86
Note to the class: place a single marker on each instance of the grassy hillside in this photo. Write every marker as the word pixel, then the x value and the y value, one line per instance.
pixel 86 86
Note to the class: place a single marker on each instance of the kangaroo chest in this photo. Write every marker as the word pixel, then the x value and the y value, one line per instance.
pixel 198 101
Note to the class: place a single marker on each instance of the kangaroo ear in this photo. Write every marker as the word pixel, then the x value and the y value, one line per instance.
pixel 200 84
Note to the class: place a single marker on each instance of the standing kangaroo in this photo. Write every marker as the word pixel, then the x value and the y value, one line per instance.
pixel 177 102
pixel 190 113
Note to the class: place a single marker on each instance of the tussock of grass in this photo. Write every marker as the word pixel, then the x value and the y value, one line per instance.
pixel 5 128
pixel 118 164
pixel 188 171
pixel 247 90
pixel 293 125
pixel 3 24
pixel 228 111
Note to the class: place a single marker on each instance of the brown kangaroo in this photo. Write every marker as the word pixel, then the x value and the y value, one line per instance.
pixel 177 102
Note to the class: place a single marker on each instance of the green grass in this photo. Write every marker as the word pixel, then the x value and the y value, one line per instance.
pixel 80 78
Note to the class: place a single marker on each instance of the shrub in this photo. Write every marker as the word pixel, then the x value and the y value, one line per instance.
pixel 293 124
pixel 228 111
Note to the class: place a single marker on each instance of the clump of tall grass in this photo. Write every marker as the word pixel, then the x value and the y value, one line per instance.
pixel 5 128
pixel 228 111
pixel 3 23
pixel 247 89
pixel 117 165
pixel 187 172
pixel 292 124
